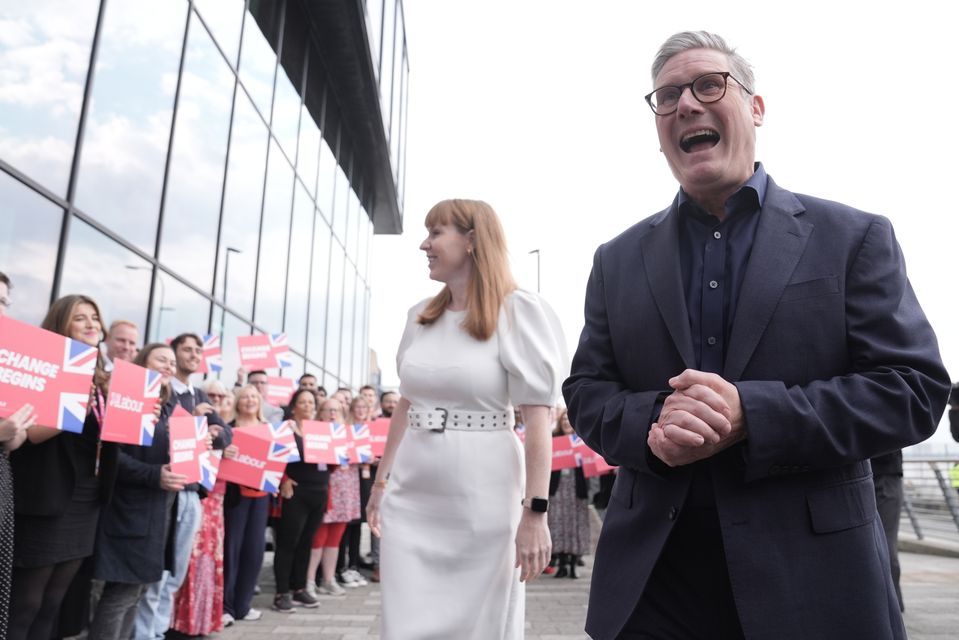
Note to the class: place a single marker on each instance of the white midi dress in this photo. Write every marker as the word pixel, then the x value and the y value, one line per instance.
pixel 452 505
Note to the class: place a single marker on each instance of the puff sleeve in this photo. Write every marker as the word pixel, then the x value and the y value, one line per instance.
pixel 532 349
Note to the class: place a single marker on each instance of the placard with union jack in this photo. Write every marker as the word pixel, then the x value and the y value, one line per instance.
pixel 134 392
pixel 49 371
pixel 212 354
pixel 284 442
pixel 279 390
pixel 264 351
pixel 254 465
pixel 188 447
pixel 362 452
pixel 379 431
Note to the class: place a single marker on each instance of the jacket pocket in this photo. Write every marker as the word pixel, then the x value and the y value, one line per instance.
pixel 810 289
pixel 843 506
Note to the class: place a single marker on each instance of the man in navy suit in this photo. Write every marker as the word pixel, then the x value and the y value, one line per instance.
pixel 745 352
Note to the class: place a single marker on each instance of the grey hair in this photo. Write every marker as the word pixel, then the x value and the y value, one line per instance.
pixel 686 40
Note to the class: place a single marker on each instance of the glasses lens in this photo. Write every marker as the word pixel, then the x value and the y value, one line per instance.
pixel 710 87
pixel 665 99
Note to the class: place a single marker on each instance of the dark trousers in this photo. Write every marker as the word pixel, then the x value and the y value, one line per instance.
pixel 116 611
pixel 36 598
pixel 243 545
pixel 889 499
pixel 301 516
pixel 688 596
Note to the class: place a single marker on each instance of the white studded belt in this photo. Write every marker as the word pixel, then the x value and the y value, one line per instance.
pixel 442 419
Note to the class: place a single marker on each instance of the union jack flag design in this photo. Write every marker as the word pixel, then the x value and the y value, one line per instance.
pixel 284 443
pixel 343 454
pixel 363 453
pixel 73 411
pixel 362 444
pixel 339 431
pixel 271 481
pixel 209 467
pixel 212 354
pixel 79 358
pixel 281 350
pixel 255 466
pixel 360 431
pixel 151 389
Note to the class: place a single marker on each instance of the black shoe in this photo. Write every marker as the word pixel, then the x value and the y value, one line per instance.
pixel 283 602
pixel 303 599
pixel 562 572
pixel 580 562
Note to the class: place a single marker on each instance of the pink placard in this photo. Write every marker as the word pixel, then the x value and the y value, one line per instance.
pixel 279 390
pixel 189 454
pixel 49 371
pixel 317 442
pixel 134 392
pixel 596 465
pixel 568 452
pixel 379 431
pixel 255 465
pixel 264 351
pixel 212 354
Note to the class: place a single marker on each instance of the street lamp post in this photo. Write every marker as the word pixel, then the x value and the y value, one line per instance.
pixel 226 280
pixel 536 251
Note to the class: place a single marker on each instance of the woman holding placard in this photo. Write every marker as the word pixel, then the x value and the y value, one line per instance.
pixel 60 481
pixel 304 490
pixel 133 530
pixel 245 515
pixel 569 509
pixel 452 469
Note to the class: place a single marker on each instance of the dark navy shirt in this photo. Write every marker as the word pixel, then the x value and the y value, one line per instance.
pixel 713 256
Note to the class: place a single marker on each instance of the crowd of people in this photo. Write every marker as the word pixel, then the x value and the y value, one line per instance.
pixel 86 521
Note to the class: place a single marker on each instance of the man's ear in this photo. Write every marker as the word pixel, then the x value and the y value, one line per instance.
pixel 759 110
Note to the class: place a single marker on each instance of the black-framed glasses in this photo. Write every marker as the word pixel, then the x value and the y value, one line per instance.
pixel 707 88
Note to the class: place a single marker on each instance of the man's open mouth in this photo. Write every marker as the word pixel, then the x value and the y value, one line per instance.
pixel 699 140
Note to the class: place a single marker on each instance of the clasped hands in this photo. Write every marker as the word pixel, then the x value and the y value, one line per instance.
pixel 702 417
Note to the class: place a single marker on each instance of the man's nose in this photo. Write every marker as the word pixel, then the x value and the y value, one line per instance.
pixel 688 103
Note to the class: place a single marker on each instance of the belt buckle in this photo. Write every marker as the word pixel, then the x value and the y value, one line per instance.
pixel 442 427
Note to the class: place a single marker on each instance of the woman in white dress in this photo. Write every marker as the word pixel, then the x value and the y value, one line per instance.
pixel 459 505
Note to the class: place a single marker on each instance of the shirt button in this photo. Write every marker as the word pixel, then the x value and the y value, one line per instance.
pixel 713 284
pixel 672 513
pixel 711 341
pixel 717 235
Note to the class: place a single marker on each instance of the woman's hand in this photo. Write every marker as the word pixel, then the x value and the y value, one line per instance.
pixel 373 509
pixel 170 481
pixel 286 488
pixel 533 544
pixel 13 429
pixel 231 452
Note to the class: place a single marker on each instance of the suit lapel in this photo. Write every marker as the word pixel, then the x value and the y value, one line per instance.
pixel 665 275
pixel 779 244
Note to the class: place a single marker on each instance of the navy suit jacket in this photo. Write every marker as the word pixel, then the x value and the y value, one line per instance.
pixel 834 362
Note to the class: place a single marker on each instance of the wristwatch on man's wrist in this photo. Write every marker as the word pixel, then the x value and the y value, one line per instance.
pixel 536 504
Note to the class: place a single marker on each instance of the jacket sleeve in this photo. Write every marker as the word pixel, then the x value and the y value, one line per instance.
pixel 892 396
pixel 613 420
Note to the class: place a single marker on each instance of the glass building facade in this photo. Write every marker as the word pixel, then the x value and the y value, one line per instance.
pixel 211 166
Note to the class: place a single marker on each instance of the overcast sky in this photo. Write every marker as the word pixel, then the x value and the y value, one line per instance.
pixel 536 106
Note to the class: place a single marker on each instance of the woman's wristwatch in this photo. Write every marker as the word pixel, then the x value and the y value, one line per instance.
pixel 536 504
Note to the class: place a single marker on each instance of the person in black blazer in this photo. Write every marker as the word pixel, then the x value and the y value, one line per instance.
pixel 133 530
pixel 745 352
pixel 61 480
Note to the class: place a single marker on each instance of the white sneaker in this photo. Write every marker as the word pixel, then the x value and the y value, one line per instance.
pixel 252 615
pixel 357 577
pixel 228 620
pixel 311 588
pixel 330 589
pixel 347 580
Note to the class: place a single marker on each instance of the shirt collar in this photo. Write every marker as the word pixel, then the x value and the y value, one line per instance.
pixel 749 197
pixel 179 388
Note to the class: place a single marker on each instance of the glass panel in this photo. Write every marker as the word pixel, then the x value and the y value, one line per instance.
pixel 334 313
pixel 223 18
pixel 357 223
pixel 349 329
pixel 44 55
pixel 274 244
pixel 298 284
pixel 374 28
pixel 319 286
pixel 257 66
pixel 360 352
pixel 327 181
pixel 117 278
pixel 308 154
pixel 28 247
pixel 296 370
pixel 399 164
pixel 192 207
pixel 386 61
pixel 286 115
pixel 177 309
pixel 366 230
pixel 399 57
pixel 349 223
pixel 230 327
pixel 241 207
pixel 340 204
pixel 128 129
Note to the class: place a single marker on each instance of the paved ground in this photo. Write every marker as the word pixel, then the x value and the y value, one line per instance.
pixel 556 608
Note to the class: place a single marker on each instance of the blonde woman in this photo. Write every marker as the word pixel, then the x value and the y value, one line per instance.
pixel 453 473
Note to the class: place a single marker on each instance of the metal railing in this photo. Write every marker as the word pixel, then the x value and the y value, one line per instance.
pixel 931 504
